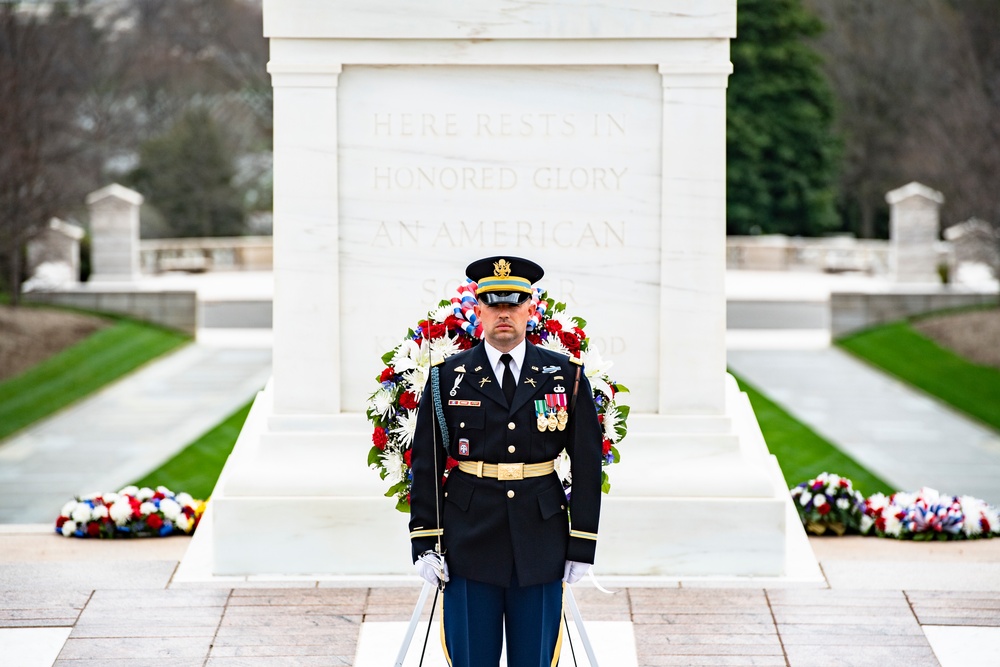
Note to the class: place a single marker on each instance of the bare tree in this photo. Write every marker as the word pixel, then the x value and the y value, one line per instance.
pixel 43 139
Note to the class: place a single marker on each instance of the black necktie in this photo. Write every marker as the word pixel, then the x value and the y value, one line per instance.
pixel 509 384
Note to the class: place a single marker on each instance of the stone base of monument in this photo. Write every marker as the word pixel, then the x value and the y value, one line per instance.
pixel 694 497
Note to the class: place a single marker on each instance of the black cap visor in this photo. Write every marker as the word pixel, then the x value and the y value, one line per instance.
pixel 497 298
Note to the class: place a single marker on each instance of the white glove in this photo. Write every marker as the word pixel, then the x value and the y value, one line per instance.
pixel 432 567
pixel 574 571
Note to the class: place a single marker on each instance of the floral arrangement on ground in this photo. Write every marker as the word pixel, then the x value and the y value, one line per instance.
pixel 131 512
pixel 451 327
pixel 829 503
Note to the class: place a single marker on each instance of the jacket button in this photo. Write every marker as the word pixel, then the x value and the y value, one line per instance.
pixel 562 507
pixel 510 494
pixel 511 449
pixel 511 426
pixel 461 424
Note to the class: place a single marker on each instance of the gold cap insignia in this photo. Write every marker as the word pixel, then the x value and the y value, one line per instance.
pixel 501 269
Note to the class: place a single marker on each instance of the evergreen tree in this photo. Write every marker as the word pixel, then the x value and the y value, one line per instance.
pixel 782 154
pixel 187 176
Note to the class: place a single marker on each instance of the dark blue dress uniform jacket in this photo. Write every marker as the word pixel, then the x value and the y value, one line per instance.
pixel 493 528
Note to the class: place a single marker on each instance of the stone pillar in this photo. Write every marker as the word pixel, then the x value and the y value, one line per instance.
pixel 114 229
pixel 58 244
pixel 914 225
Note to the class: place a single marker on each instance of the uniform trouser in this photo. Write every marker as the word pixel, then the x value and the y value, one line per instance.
pixel 475 614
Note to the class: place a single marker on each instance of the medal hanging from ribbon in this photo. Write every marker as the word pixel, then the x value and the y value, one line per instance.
pixel 562 415
pixel 541 421
pixel 550 401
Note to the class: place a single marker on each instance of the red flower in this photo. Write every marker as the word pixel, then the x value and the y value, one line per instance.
pixel 843 483
pixel 534 339
pixel 386 375
pixel 407 455
pixel 432 330
pixel 579 332
pixel 158 496
pixel 408 400
pixel 570 340
pixel 880 523
pixel 93 529
pixel 606 447
pixel 824 509
pixel 379 438
pixel 61 520
pixel 465 343
pixel 154 521
pixel 553 326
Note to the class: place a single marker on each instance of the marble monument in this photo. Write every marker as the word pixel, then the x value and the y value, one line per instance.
pixel 589 138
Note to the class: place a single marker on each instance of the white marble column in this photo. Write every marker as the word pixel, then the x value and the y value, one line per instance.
pixel 306 257
pixel 693 259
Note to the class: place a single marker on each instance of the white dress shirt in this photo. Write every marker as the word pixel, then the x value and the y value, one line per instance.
pixel 517 361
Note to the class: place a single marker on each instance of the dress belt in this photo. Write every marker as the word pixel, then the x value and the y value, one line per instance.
pixel 506 471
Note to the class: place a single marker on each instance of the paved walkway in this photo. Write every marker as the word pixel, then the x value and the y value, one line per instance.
pixel 88 603
pixel 906 437
pixel 127 429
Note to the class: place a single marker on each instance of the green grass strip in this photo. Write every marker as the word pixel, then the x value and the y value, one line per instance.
pixel 801 452
pixel 80 370
pixel 903 352
pixel 196 468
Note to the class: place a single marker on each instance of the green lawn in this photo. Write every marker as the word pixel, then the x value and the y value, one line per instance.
pixel 80 370
pixel 196 468
pixel 903 352
pixel 801 452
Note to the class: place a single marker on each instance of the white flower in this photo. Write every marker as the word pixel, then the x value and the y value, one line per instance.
pixel 441 313
pixel 121 512
pixel 553 343
pixel 90 496
pixel 611 419
pixel 381 401
pixel 596 366
pixel 145 493
pixel 170 509
pixel 820 500
pixel 866 523
pixel 184 499
pixel 893 526
pixel 393 463
pixel 444 347
pixel 129 491
pixel 407 421
pixel 805 498
pixel 164 490
pixel 81 514
pixel 100 512
pixel 68 528
pixel 565 320
pixel 182 522
pixel 416 380
pixel 843 503
pixel 147 508
pixel 563 467
pixel 110 498
pixel 406 356
pixel 878 501
pixel 67 509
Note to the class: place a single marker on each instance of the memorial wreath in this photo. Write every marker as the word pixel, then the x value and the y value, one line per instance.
pixel 449 328
pixel 131 512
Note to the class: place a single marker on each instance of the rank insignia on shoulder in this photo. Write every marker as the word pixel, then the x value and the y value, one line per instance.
pixel 550 369
pixel 575 360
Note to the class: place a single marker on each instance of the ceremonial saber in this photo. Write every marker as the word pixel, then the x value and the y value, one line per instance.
pixel 571 603
pixel 414 619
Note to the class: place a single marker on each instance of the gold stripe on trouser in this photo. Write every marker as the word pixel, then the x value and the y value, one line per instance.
pixel 444 644
pixel 562 627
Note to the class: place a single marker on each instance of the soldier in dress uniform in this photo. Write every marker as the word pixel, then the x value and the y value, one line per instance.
pixel 504 543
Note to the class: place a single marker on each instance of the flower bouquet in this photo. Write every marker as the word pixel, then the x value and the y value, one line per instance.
pixel 929 515
pixel 450 327
pixel 131 512
pixel 829 503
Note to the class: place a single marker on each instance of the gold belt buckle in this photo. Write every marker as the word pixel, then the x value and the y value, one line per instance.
pixel 507 471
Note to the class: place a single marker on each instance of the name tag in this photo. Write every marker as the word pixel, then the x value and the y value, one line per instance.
pixel 466 404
